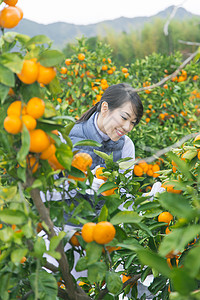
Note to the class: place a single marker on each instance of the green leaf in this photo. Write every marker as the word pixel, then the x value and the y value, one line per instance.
pixel 64 155
pixel 76 172
pixel 29 91
pixel 178 205
pixel 97 272
pixel 39 39
pixel 126 217
pixel 55 240
pixel 12 61
pixel 131 244
pixel 106 186
pixel 182 282
pixel 12 216
pixel 39 247
pixel 87 143
pixel 103 214
pixel 50 58
pixel 93 252
pixel 25 145
pixel 6 235
pixel 6 76
pixel 192 263
pixel 182 166
pixel 18 254
pixel 154 260
pixel 54 86
pixel 114 282
pixel 190 154
pixel 103 155
pixel 21 173
pixel 81 264
pixel 47 285
pixel 22 38
pixel 178 239
pixel 4 89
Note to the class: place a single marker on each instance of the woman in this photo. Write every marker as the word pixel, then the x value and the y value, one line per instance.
pixel 108 122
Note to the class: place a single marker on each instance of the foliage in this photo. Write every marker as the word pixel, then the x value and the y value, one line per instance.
pixel 30 216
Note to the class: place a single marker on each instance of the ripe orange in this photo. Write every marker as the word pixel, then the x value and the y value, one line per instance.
pixel 138 171
pixel 29 122
pixel 99 173
pixel 81 161
pixel 11 2
pixel 124 70
pixel 110 71
pixel 47 153
pixel 12 124
pixel 87 232
pixel 23 260
pixel 170 188
pixel 165 217
pixel 32 163
pixel 15 108
pixel 68 61
pixel 54 163
pixel 45 74
pixel 39 141
pixel 74 241
pixel 197 138
pixel 104 67
pixel 144 166
pixel 104 232
pixel 81 56
pixel 9 17
pixel 29 72
pixel 35 107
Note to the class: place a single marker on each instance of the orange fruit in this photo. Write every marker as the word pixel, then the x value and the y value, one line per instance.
pixel 39 227
pixel 23 260
pixel 170 188
pixel 39 141
pixel 104 232
pixel 32 163
pixel 63 70
pixel 124 70
pixel 87 232
pixel 54 163
pixel 45 74
pixel 108 192
pixel 99 173
pixel 12 124
pixel 144 166
pixel 68 61
pixel 81 56
pixel 47 153
pixel 35 107
pixel 11 2
pixel 29 72
pixel 74 241
pixel 82 161
pixel 155 168
pixel 104 67
pixel 15 108
pixel 165 217
pixel 29 122
pixel 9 17
pixel 167 230
pixel 110 71
pixel 138 171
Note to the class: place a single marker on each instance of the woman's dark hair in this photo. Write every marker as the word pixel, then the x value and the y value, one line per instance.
pixel 116 95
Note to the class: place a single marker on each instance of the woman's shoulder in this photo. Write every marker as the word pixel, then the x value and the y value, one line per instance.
pixel 128 141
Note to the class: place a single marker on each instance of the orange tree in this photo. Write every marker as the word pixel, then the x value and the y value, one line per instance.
pixel 32 154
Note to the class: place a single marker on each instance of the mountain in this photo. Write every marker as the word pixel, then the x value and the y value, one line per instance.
pixel 61 33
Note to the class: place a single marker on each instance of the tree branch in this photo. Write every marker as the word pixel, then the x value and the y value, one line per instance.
pixel 167 149
pixel 73 291
pixel 162 81
pixel 189 43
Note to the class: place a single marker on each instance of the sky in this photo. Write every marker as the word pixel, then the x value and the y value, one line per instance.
pixel 84 12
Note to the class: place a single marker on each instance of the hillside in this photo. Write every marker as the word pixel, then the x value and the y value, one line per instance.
pixel 61 33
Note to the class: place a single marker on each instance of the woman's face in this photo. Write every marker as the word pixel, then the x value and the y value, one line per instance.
pixel 117 122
